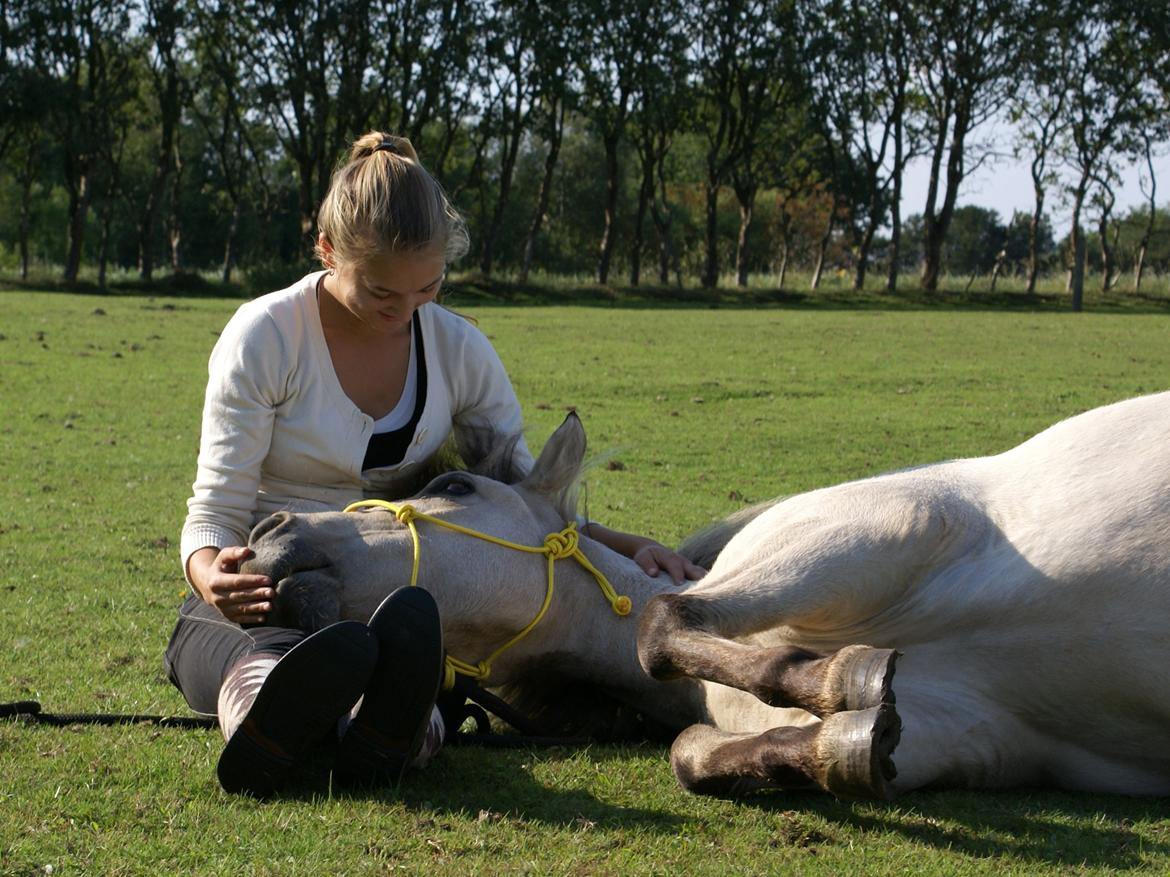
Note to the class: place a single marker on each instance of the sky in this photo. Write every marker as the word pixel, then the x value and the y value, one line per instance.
pixel 1006 186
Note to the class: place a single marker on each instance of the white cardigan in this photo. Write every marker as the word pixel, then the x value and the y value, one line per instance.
pixel 280 433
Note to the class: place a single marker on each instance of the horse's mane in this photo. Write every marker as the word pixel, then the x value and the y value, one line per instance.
pixel 703 546
pixel 480 451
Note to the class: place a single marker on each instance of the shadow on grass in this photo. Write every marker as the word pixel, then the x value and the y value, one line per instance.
pixel 497 784
pixel 1051 828
pixel 472 291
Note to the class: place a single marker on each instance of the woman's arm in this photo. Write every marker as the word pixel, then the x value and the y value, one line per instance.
pixel 214 574
pixel 650 555
pixel 238 418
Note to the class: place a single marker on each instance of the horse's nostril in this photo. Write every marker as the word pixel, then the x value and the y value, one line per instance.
pixel 273 523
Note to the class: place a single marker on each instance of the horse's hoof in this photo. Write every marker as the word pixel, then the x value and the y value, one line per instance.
pixel 866 675
pixel 855 750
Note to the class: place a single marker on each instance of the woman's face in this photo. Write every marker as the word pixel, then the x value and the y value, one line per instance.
pixel 383 293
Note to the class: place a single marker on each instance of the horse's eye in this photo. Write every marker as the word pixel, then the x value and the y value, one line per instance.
pixel 458 487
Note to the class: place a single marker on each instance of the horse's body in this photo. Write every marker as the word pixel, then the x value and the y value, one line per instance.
pixel 1026 597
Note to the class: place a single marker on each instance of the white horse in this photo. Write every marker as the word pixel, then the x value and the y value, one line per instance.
pixel 1025 597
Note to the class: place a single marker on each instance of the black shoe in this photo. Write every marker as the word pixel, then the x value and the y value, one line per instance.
pixel 388 730
pixel 312 686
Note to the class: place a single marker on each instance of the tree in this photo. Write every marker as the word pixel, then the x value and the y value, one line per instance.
pixel 510 85
pixel 861 79
pixel 976 237
pixel 967 55
pixel 1149 186
pixel 81 44
pixel 218 105
pixel 732 42
pixel 297 54
pixel 617 37
pixel 1106 103
pixel 424 48
pixel 659 112
pixel 1039 108
pixel 553 94
pixel 165 26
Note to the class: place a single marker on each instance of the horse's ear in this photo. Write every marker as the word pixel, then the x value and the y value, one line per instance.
pixel 559 463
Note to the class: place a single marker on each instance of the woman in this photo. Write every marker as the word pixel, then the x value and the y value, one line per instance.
pixel 341 386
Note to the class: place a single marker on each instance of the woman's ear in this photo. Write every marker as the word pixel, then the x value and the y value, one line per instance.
pixel 326 251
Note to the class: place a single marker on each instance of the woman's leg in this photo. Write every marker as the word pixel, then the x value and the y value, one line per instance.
pixel 397 725
pixel 276 691
pixel 205 646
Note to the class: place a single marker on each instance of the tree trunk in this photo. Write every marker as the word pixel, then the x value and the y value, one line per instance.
pixel 1107 260
pixel 711 268
pixel 611 196
pixel 550 164
pixel 1034 242
pixel 895 234
pixel 107 216
pixel 229 246
pixel 507 171
pixel 823 248
pixel 104 246
pixel 645 194
pixel 863 249
pixel 26 182
pixel 667 258
pixel 996 269
pixel 932 187
pixel 78 212
pixel 154 196
pixel 1144 243
pixel 899 165
pixel 1076 282
pixel 937 225
pixel 747 202
pixel 175 225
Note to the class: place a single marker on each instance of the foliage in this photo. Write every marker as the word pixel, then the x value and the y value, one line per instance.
pixel 770 134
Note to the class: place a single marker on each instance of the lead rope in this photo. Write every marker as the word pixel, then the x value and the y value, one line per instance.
pixel 556 547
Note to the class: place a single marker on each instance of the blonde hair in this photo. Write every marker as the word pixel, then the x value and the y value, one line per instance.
pixel 383 200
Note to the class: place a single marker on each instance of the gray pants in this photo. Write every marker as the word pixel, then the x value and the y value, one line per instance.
pixel 205 646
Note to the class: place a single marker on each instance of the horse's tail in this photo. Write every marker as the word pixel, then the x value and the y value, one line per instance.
pixel 703 546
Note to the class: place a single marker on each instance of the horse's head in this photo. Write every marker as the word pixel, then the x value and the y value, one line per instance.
pixel 334 565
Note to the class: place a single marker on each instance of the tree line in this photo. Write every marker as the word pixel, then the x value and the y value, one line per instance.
pixel 679 137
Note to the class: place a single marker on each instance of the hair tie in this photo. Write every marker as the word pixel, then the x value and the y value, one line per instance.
pixel 388 146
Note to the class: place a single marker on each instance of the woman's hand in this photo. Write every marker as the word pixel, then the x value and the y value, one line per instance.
pixel 244 599
pixel 651 556
pixel 654 556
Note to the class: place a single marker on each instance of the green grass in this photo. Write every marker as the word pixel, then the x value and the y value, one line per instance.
pixel 695 410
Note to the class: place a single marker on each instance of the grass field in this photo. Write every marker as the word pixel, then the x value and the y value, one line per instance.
pixel 695 410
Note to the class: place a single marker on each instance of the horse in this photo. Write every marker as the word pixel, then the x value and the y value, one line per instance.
pixel 993 622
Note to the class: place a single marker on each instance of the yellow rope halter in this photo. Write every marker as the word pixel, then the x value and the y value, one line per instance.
pixel 556 546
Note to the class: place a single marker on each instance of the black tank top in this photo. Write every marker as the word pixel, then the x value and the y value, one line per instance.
pixel 389 448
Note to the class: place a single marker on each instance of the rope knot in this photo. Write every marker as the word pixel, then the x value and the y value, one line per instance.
pixel 405 513
pixel 562 544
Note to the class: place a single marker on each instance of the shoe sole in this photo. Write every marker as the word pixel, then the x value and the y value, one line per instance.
pixel 388 730
pixel 308 690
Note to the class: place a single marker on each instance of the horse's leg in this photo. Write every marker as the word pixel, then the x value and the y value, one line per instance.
pixel 821 568
pixel 848 755
pixel 674 640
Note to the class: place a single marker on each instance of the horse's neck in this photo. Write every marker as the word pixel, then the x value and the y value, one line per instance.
pixel 606 644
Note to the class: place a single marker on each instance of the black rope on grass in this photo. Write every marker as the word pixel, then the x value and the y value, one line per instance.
pixel 29 712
